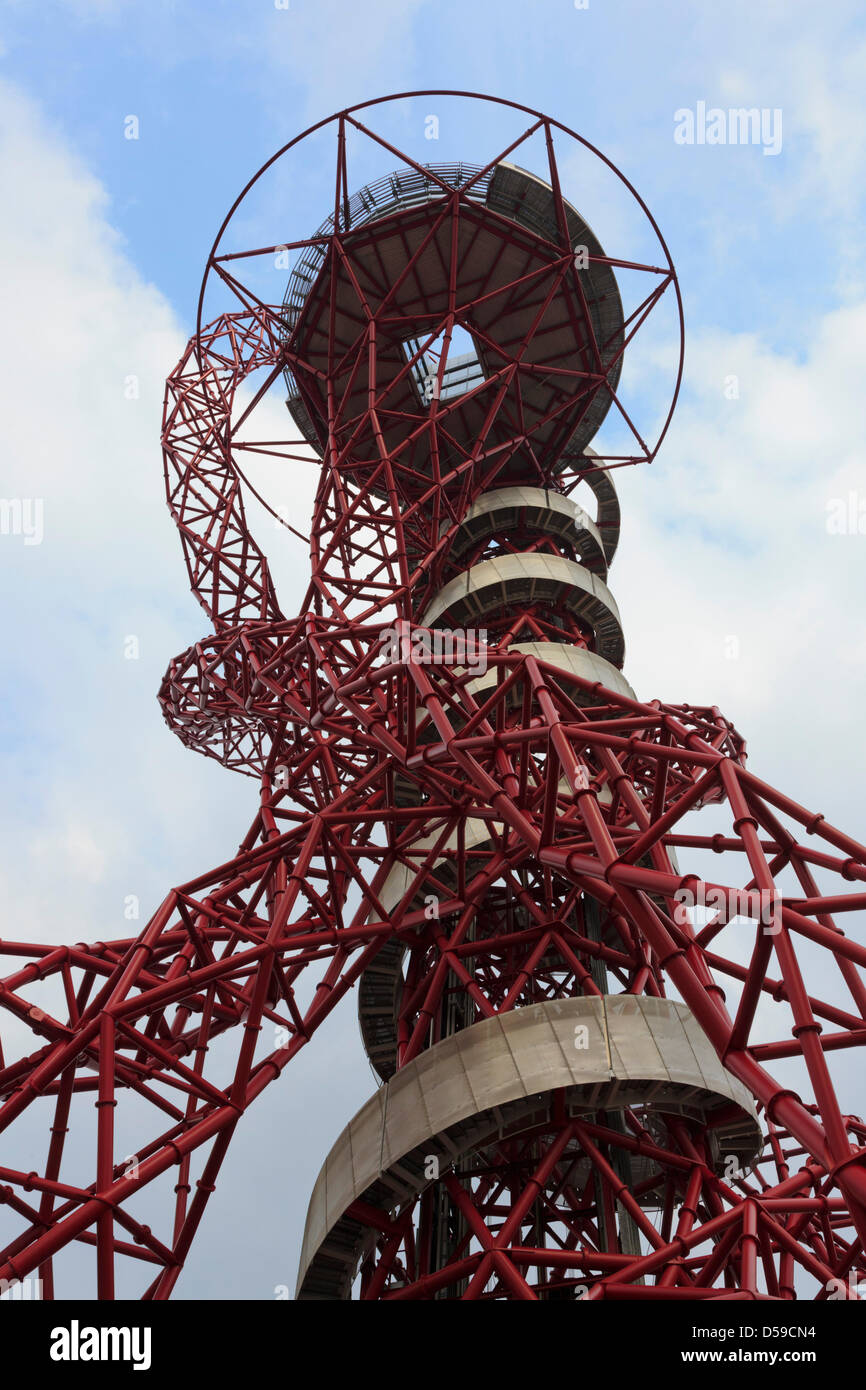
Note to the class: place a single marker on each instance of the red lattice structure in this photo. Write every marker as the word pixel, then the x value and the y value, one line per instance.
pixel 464 810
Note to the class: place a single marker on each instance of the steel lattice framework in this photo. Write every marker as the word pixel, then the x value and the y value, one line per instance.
pixel 483 847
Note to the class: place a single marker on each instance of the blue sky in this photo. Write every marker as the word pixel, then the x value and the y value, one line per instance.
pixel 219 85
pixel 725 536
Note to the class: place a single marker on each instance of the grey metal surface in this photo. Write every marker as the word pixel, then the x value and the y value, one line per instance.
pixel 494 1078
pixel 538 511
pixel 494 585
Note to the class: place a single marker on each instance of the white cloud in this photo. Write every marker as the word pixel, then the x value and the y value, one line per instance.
pixel 726 536
pixel 82 333
pixel 101 804
pixel 816 78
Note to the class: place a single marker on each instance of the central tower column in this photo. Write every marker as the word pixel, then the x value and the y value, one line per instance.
pixel 509 584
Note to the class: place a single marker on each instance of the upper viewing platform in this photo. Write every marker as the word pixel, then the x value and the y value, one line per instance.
pixel 493 310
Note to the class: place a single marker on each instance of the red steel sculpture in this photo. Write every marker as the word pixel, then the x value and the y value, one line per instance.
pixel 589 1090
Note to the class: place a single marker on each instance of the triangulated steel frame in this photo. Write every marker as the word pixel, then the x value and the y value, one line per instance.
pixel 581 794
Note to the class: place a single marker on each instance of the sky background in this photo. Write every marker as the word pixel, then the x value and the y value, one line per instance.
pixel 731 587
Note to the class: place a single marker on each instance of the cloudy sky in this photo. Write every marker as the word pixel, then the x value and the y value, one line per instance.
pixel 733 588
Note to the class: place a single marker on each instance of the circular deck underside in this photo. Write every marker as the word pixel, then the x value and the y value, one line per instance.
pixel 533 511
pixel 495 1078
pixel 510 245
pixel 496 586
